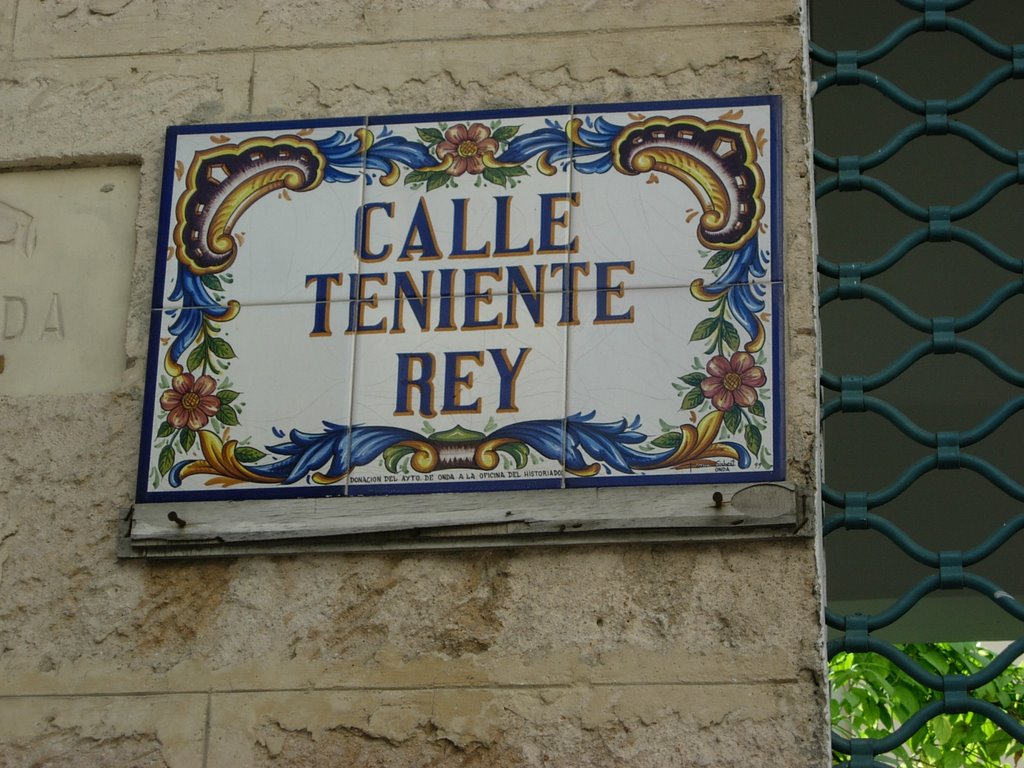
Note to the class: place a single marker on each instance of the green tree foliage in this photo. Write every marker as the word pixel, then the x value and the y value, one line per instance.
pixel 872 697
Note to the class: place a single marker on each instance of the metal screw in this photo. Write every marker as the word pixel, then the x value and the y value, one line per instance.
pixel 173 517
pixel 717 498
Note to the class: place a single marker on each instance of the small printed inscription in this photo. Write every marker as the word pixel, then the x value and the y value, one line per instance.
pixel 456 476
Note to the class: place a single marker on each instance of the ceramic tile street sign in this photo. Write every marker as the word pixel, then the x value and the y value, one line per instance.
pixel 542 298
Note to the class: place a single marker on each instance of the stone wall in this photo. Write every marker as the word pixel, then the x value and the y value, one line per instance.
pixel 639 655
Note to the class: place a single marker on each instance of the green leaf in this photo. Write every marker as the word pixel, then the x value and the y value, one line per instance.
pixel 693 398
pixel 430 135
pixel 757 408
pixel 668 440
pixel 752 436
pixel 227 396
pixel 506 132
pixel 936 659
pixel 221 349
pixel 394 454
pixel 196 358
pixel 907 698
pixel 495 176
pixel 458 434
pixel 515 170
pixel 415 177
pixel 165 429
pixel 730 335
pixel 227 416
pixel 733 419
pixel 720 258
pixel 187 438
pixel 693 379
pixel 212 282
pixel 247 454
pixel 704 329
pixel 519 452
pixel 428 428
pixel 437 180
pixel 166 460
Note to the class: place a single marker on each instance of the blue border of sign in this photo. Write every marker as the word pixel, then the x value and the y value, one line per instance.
pixel 568 480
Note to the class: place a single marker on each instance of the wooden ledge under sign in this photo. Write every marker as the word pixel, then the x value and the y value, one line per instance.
pixel 466 521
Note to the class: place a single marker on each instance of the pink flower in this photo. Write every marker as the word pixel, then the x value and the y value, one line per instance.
pixel 190 401
pixel 467 146
pixel 733 381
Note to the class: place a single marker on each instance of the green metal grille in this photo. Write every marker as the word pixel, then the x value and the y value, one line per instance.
pixel 855 395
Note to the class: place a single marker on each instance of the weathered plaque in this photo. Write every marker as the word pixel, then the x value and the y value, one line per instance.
pixel 518 299
pixel 67 238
